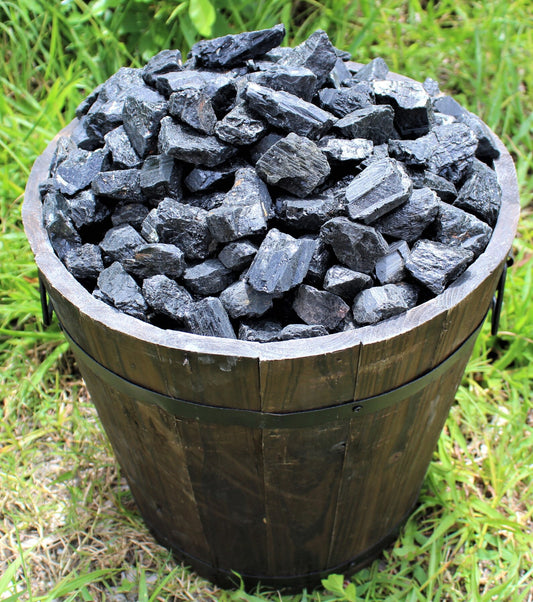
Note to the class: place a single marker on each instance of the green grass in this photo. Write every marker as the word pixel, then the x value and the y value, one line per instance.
pixel 69 529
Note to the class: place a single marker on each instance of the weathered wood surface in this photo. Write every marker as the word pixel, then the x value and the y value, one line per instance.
pixel 275 502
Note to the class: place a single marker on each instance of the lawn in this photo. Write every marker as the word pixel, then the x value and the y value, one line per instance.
pixel 69 529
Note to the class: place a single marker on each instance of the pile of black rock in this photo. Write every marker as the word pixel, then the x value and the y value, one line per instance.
pixel 269 193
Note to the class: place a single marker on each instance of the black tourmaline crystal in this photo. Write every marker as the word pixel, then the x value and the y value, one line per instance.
pixel 278 193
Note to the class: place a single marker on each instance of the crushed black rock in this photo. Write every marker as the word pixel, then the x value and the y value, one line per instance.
pixel 278 193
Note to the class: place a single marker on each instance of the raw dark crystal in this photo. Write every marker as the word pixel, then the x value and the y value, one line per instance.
pixel 355 245
pixel 78 170
pixel 341 150
pixel 316 54
pixel 167 297
pixel 281 262
pixel 160 177
pixel 84 261
pixel 455 227
pixel 346 283
pixel 242 301
pixel 122 152
pixel 319 307
pixel 245 209
pixel 381 302
pixel 209 318
pixel 120 243
pixel 237 255
pixel 391 267
pixel 149 227
pixel 481 194
pixel 436 265
pixel 261 331
pixel 409 221
pixel 412 105
pixel 261 147
pixel 163 62
pixel 299 81
pixel 119 289
pixel 375 122
pixel 84 106
pixel 193 107
pixel 240 127
pixel 320 262
pixel 141 116
pixel 448 150
pixel 200 179
pixel 375 69
pixel 207 200
pixel 445 189
pixel 231 50
pixel 307 214
pixel 155 258
pixel 121 185
pixel 188 145
pixel 86 139
pixel 130 213
pixel 346 100
pixel 302 331
pixel 185 226
pixel 288 112
pixel 377 190
pixel 294 163
pixel 57 220
pixel 85 209
pixel 340 75
pixel 208 278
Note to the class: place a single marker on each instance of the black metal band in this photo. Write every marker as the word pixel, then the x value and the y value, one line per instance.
pixel 182 408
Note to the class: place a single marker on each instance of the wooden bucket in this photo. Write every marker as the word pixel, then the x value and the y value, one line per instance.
pixel 281 461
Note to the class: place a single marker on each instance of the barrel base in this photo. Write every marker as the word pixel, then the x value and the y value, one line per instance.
pixel 289 583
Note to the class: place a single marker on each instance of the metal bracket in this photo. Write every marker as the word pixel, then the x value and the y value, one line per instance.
pixel 47 308
pixel 497 300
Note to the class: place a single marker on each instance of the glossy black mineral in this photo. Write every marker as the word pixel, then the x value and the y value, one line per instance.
pixel 269 192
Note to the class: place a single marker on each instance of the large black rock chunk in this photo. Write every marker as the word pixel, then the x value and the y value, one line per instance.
pixel 310 213
pixel 319 307
pixel 231 50
pixel 343 101
pixel 130 213
pixel 208 278
pixel 209 318
pixel 436 265
pixel 121 185
pixel 122 152
pixel 320 262
pixel 119 289
pixel 316 54
pixel 288 112
pixel 448 150
pixel 163 62
pixel 85 209
pixel 78 170
pixel 375 122
pixel 167 297
pixel 120 243
pixel 377 190
pixel 281 262
pixel 84 261
pixel 341 150
pixel 346 283
pixel 261 331
pixel 355 245
pixel 445 189
pixel 242 301
pixel 340 75
pixel 237 255
pixel 240 127
pixel 201 179
pixel 375 69
pixel 141 116
pixel 455 227
pixel 193 107
pixel 261 147
pixel 160 177
pixel 481 194
pixel 188 145
pixel 381 302
pixel 302 331
pixel 297 80
pixel 294 163
pixel 391 267
pixel 149 227
pixel 412 105
pixel 245 209
pixel 156 258
pixel 184 226
pixel 409 221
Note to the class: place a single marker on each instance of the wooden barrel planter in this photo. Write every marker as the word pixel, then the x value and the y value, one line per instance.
pixel 282 461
